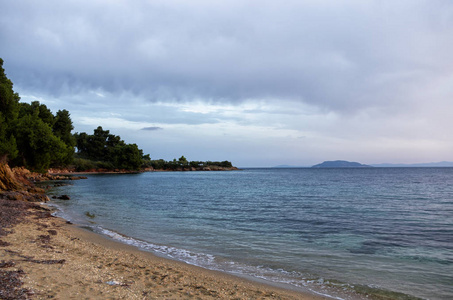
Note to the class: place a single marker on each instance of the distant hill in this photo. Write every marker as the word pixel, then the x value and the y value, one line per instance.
pixel 340 164
pixel 421 165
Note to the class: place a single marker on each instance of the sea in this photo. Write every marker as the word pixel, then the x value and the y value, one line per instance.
pixel 351 233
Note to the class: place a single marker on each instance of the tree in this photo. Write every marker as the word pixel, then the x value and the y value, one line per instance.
pixel 9 109
pixel 39 109
pixel 109 151
pixel 127 157
pixel 81 140
pixel 9 100
pixel 38 130
pixel 8 146
pixel 183 161
pixel 94 146
pixel 62 127
pixel 226 164
pixel 39 147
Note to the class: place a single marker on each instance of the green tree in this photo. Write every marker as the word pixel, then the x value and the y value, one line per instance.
pixel 39 147
pixel 93 146
pixel 127 157
pixel 196 164
pixel 183 161
pixel 158 164
pixel 39 109
pixel 110 150
pixel 226 164
pixel 9 100
pixel 9 110
pixel 62 127
pixel 82 144
pixel 8 145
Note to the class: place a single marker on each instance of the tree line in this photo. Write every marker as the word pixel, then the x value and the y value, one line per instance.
pixel 183 164
pixel 102 150
pixel 33 137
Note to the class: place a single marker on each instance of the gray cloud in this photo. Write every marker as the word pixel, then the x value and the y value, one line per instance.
pixel 364 79
pixel 340 55
pixel 152 128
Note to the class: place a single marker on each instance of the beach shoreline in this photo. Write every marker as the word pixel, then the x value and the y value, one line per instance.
pixel 61 260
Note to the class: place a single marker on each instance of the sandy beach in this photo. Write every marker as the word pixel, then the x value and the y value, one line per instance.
pixel 62 261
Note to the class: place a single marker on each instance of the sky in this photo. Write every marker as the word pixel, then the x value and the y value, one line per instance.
pixel 258 83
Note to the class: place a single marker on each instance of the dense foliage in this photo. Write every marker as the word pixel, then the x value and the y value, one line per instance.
pixel 9 111
pixel 107 151
pixel 183 164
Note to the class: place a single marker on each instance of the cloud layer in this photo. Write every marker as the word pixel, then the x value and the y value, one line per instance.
pixel 375 69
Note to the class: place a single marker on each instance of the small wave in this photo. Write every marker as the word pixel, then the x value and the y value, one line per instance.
pixel 280 276
pixel 198 259
pixel 59 212
pixel 307 282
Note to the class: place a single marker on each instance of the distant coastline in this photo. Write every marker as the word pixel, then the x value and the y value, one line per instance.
pixel 73 171
pixel 442 164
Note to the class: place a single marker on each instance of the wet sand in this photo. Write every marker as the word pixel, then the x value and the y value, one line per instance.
pixel 62 261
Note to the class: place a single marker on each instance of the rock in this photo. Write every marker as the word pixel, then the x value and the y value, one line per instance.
pixel 64 197
pixel 15 196
pixel 36 190
pixel 8 181
pixel 41 198
pixel 113 282
pixel 78 177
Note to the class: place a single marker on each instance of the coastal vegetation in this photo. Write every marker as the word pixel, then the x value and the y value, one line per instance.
pixel 102 150
pixel 33 137
pixel 182 164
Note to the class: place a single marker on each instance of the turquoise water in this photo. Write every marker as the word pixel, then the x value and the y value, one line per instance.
pixel 334 231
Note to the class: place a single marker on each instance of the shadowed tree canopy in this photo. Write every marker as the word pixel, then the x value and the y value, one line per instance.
pixel 109 149
pixel 62 127
pixel 9 109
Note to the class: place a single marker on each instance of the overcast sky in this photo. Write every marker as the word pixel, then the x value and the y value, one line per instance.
pixel 259 83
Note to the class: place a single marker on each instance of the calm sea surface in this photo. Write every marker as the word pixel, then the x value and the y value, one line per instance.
pixel 334 231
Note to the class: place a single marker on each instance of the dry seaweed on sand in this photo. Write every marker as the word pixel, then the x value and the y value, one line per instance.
pixel 11 285
pixel 12 212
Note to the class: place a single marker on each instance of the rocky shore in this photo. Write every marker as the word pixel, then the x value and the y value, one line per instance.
pixel 42 257
pixel 73 172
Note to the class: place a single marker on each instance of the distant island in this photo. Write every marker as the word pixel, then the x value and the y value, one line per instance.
pixel 340 164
